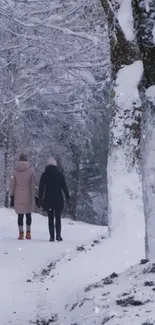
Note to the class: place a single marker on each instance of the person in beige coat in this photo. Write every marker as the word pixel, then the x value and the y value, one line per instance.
pixel 22 193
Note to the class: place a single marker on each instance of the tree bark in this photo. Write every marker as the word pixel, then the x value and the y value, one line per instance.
pixel 6 162
pixel 74 197
pixel 126 218
pixel 144 23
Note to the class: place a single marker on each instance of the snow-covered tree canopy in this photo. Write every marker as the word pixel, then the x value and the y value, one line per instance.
pixel 54 63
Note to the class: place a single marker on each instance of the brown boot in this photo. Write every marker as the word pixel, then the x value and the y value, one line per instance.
pixel 28 235
pixel 21 235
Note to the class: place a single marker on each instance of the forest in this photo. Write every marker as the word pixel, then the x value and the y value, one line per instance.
pixel 63 93
pixel 55 96
pixel 78 84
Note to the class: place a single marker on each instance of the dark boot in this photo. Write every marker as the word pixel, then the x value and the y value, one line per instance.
pixel 59 238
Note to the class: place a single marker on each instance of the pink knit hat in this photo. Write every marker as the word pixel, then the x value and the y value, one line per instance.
pixel 51 161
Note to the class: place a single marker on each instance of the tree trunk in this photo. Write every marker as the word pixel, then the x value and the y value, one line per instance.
pixel 126 217
pixel 73 204
pixel 144 23
pixel 6 157
pixel 7 151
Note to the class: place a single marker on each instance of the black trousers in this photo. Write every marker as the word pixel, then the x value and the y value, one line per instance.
pixel 28 220
pixel 54 214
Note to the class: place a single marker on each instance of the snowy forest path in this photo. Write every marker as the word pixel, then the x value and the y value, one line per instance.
pixel 52 275
pixel 63 288
pixel 23 287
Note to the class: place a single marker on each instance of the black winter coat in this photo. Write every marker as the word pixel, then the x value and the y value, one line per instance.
pixel 52 183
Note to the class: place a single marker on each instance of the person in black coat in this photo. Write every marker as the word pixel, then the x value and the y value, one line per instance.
pixel 52 184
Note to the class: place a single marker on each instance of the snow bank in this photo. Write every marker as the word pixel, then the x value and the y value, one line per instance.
pixel 125 19
pixel 90 266
pixel 150 93
pixel 125 299
pixel 127 215
pixel 127 222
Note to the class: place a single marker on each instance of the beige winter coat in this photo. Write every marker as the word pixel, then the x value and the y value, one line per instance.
pixel 23 187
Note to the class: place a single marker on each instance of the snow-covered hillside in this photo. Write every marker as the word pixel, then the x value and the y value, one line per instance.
pixel 127 299
pixel 46 281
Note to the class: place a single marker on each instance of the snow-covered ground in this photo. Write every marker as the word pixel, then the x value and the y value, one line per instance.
pixel 40 280
pixel 22 261
pixel 123 299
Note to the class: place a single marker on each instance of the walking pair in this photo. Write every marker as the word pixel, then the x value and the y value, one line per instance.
pixel 23 190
